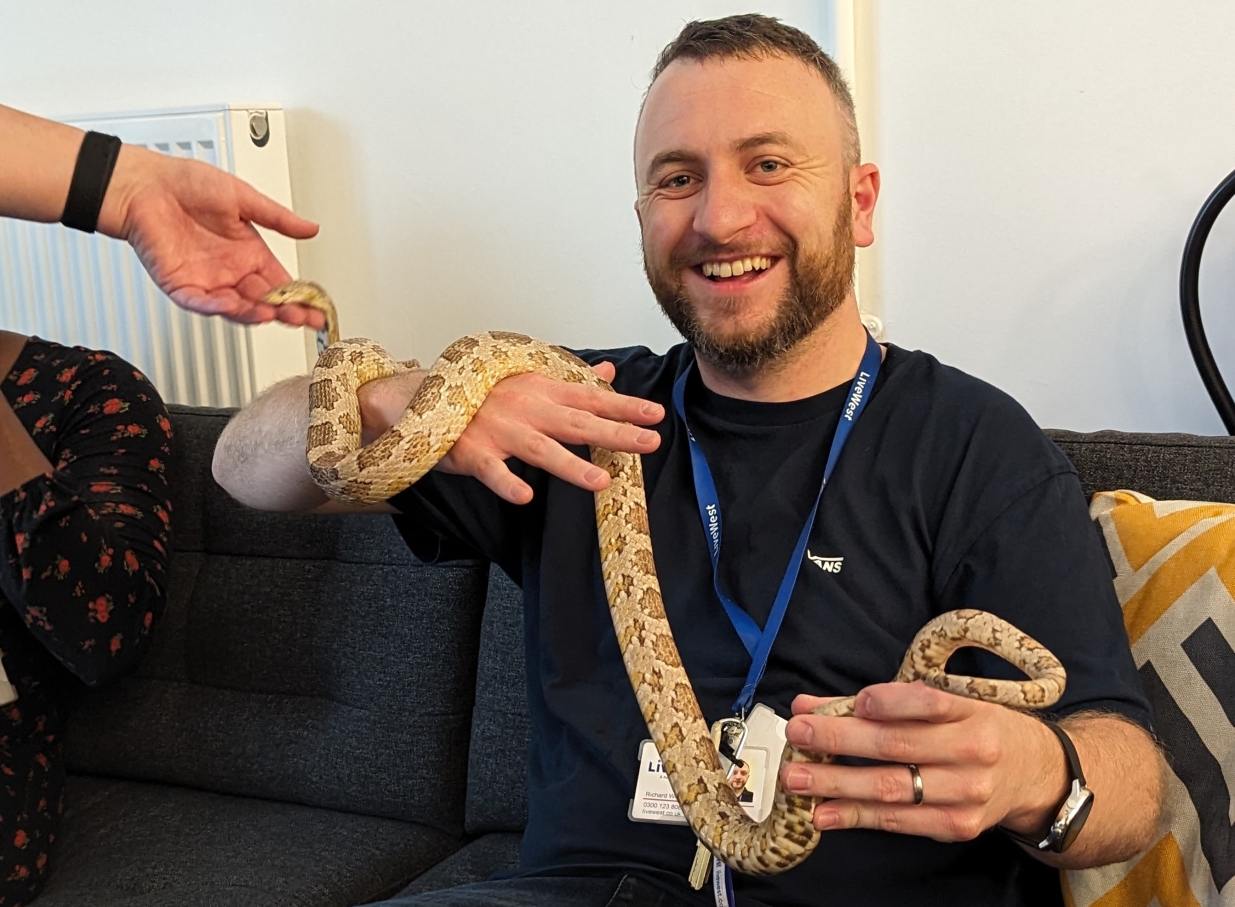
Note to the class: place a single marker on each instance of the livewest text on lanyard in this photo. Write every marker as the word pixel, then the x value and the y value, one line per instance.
pixel 758 642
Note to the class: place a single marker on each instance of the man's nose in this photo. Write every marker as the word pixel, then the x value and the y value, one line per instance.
pixel 726 208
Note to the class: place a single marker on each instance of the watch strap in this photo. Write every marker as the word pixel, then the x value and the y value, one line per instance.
pixel 1074 761
pixel 1071 816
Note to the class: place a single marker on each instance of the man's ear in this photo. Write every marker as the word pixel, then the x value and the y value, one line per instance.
pixel 863 193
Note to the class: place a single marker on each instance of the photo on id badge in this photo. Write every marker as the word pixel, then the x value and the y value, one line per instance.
pixel 746 777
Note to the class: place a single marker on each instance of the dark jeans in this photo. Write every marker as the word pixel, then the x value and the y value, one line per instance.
pixel 555 891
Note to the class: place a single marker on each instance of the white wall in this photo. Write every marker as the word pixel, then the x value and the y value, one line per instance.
pixel 469 162
pixel 1042 164
pixel 470 165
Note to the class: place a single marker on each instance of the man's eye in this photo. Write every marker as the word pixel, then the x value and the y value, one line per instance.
pixel 769 166
pixel 677 182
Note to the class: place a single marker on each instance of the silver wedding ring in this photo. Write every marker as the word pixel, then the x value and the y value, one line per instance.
pixel 917 783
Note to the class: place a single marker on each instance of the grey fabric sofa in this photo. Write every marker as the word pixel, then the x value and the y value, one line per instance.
pixel 324 721
pixel 315 724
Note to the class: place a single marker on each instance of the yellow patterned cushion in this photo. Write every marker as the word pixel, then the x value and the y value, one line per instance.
pixel 1175 577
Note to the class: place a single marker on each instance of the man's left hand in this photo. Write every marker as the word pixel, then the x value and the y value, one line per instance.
pixel 981 764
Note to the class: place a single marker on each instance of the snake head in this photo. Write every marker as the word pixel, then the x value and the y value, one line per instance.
pixel 296 292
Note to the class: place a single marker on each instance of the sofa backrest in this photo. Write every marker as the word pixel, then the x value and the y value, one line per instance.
pixel 309 659
pixel 501 727
pixel 1168 467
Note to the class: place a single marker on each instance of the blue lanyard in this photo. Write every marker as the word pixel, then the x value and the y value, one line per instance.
pixel 759 642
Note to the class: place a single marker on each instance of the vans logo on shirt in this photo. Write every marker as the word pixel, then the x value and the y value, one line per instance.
pixel 826 564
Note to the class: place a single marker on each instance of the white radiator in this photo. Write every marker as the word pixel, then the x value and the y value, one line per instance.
pixel 75 288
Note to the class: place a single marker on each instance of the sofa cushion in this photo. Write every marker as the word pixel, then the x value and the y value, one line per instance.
pixel 127 844
pixel 1175 569
pixel 305 659
pixel 475 862
pixel 501 728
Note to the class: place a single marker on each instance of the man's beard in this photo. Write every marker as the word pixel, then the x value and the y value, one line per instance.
pixel 818 284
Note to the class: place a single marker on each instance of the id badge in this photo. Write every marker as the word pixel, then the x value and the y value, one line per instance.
pixel 765 743
pixel 762 747
pixel 654 800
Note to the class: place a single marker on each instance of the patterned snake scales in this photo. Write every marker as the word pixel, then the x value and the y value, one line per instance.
pixel 450 393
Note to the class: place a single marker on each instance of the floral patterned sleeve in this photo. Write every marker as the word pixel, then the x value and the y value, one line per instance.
pixel 83 549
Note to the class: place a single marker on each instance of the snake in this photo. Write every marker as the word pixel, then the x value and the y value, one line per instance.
pixel 450 393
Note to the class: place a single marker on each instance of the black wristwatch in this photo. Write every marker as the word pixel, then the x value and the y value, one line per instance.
pixel 1075 810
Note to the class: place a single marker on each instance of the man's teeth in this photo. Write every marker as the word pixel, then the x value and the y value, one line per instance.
pixel 736 268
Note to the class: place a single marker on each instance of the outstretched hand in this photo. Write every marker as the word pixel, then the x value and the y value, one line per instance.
pixel 191 225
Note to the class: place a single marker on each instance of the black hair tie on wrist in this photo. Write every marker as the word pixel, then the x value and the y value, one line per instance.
pixel 95 162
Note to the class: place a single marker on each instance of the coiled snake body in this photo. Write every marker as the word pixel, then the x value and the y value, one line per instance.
pixel 451 392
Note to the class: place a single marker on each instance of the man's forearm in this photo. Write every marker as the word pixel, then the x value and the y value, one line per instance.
pixel 260 457
pixel 1123 768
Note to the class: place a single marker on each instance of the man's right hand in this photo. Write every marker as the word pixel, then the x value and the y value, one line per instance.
pixel 530 417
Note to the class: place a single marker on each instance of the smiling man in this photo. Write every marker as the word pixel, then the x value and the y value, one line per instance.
pixel 941 493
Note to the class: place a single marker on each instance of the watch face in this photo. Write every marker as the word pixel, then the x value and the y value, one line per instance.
pixel 1075 820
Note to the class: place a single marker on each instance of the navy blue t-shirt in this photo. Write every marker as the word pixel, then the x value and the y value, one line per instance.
pixel 947 496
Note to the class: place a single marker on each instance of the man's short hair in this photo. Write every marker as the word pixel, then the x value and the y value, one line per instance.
pixel 753 37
